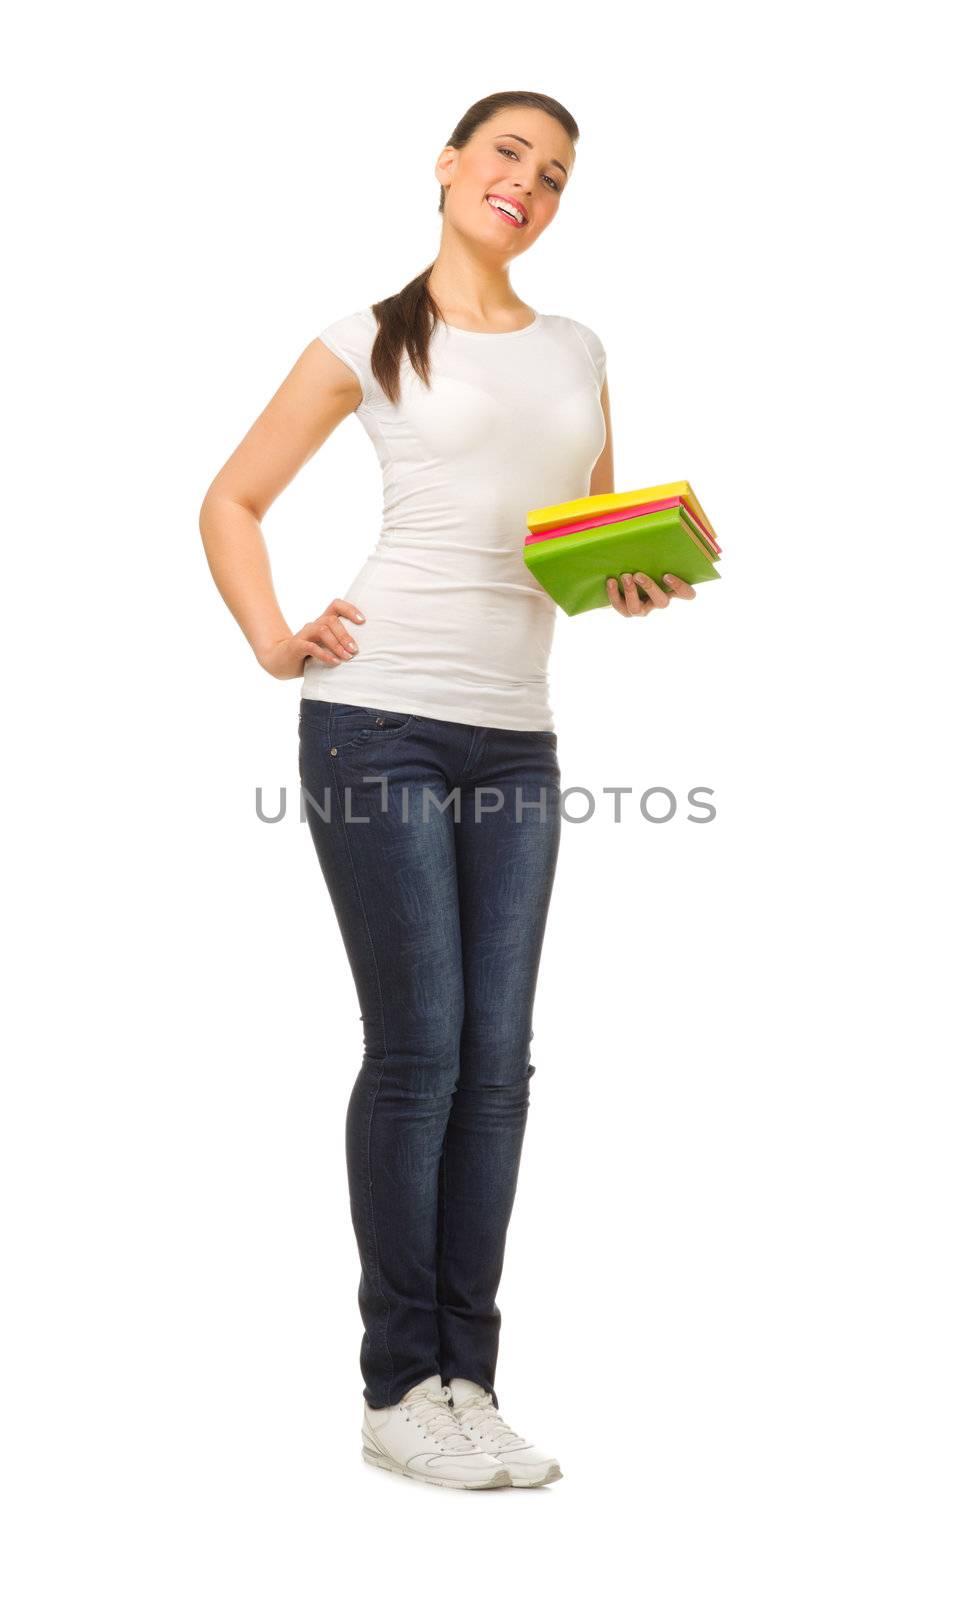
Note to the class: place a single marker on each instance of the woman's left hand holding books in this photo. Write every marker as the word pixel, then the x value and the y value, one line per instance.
pixel 651 598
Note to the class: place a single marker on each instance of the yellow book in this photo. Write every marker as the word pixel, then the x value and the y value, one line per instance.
pixel 598 504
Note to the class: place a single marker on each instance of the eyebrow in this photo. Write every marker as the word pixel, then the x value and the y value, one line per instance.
pixel 527 142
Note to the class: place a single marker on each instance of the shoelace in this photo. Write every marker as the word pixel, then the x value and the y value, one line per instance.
pixel 432 1412
pixel 495 1427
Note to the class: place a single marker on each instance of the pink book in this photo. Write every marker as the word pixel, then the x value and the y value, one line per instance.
pixel 621 515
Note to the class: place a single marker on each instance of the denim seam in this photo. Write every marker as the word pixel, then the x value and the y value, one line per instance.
pixel 473 762
pixel 442 1287
pixel 369 1205
pixel 370 736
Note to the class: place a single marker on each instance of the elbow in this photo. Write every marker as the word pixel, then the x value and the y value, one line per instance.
pixel 213 501
pixel 217 496
pixel 206 504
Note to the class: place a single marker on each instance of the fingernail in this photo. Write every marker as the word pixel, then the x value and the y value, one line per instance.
pixel 360 616
pixel 352 646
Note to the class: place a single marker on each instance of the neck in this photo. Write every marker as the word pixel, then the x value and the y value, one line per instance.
pixel 471 289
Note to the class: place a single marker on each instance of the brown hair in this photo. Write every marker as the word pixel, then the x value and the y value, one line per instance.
pixel 406 320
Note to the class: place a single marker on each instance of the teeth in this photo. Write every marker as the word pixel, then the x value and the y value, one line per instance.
pixel 505 205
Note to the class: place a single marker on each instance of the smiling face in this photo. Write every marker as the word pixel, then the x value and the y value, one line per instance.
pixel 523 157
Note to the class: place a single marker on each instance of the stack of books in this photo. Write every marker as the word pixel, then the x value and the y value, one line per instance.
pixel 574 547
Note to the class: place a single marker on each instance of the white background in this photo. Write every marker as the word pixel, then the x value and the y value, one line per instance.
pixel 731 1301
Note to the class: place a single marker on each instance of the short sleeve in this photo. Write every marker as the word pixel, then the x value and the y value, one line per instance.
pixel 594 348
pixel 352 339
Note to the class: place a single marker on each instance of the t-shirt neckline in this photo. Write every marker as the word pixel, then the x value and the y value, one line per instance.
pixel 482 333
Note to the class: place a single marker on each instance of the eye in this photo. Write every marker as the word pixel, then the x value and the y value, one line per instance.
pixel 506 150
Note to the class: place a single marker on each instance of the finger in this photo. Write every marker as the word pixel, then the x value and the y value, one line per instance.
pixel 636 607
pixel 322 650
pixel 318 651
pixel 639 604
pixel 615 598
pixel 679 587
pixel 343 639
pixel 650 588
pixel 345 608
pixel 333 635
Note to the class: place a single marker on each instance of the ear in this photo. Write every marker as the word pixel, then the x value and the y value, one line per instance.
pixel 445 164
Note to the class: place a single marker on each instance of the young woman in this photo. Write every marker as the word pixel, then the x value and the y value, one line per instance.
pixel 428 758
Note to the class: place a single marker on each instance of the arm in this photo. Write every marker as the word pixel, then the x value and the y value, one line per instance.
pixel 603 473
pixel 629 602
pixel 317 394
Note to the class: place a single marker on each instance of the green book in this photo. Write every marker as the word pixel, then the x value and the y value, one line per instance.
pixel 573 567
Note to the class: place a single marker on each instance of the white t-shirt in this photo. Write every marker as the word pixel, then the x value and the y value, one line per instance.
pixel 457 627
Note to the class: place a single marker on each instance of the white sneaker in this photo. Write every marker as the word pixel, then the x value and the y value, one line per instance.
pixel 473 1406
pixel 420 1438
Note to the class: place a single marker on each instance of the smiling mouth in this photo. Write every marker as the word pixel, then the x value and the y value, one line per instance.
pixel 513 215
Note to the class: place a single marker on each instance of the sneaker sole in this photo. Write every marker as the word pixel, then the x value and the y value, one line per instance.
pixel 500 1480
pixel 551 1476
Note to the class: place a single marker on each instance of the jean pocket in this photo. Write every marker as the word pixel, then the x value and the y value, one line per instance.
pixel 357 725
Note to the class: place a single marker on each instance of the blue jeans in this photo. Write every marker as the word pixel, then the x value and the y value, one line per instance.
pixel 442 911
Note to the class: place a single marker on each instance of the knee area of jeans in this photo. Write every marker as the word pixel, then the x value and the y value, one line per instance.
pixel 407 1075
pixel 495 1069
pixel 411 1042
pixel 509 1091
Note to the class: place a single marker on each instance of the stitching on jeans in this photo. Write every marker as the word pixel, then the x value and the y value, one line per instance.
pixel 474 758
pixel 441 1286
pixel 372 736
pixel 369 1204
pixel 440 1244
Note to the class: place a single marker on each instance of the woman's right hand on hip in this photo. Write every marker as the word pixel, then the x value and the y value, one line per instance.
pixel 326 638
